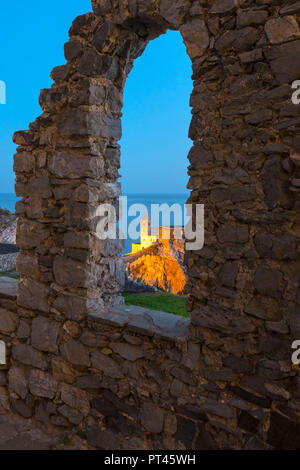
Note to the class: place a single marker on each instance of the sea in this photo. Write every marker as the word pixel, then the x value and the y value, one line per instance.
pixel 142 201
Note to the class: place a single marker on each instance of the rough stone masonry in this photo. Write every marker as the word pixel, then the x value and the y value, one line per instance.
pixel 132 379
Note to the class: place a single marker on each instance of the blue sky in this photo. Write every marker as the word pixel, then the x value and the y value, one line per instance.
pixel 156 103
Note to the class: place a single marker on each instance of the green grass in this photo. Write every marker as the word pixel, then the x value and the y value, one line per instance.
pixel 13 276
pixel 163 302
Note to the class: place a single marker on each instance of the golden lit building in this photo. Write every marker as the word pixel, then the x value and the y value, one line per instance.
pixel 163 233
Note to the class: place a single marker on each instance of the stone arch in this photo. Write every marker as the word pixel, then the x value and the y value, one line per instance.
pixel 244 284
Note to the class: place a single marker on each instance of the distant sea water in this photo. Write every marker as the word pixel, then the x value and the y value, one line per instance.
pixel 8 201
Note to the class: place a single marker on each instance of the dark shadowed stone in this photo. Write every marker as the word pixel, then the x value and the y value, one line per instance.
pixel 104 406
pixel 186 432
pixel 127 351
pixel 233 234
pixel 248 396
pixel 247 422
pixel 93 65
pixel 275 147
pixel 237 363
pixel 66 165
pixel 76 353
pixel 264 308
pixel 199 156
pixel 32 295
pixel 27 355
pixel 217 408
pixel 109 366
pixel 223 7
pixel 251 17
pixel 75 398
pixel 224 375
pixel 192 411
pixel 294 321
pixel 195 37
pixel 275 348
pixel 280 30
pixel 283 433
pixel 72 415
pixel 44 334
pixel 268 281
pixel 205 441
pixel 78 122
pixel 8 321
pixel 72 49
pixel 74 307
pixel 280 57
pixel 101 35
pixel 152 418
pixel 275 188
pixel 228 273
pixel 103 440
pixel 89 382
pixel 20 407
pixel 70 273
pixel 42 384
pixel 17 381
pixel 227 321
pixel 290 9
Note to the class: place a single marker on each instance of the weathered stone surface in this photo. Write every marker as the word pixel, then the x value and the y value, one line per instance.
pixel 8 322
pixel 283 433
pixel 76 353
pixel 158 381
pixel 25 354
pixel 75 398
pixel 78 123
pixel 42 384
pixel 72 48
pixel 74 416
pixel 104 363
pixel 127 351
pixel 152 418
pixel 251 17
pixel 17 381
pixel 44 334
pixel 268 281
pixel 195 37
pixel 70 273
pixel 282 29
pixel 102 439
pixel 33 295
pixel 280 57
pixel 64 165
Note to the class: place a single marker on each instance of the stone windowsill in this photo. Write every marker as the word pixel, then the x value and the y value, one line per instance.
pixel 136 319
pixel 142 321
pixel 8 288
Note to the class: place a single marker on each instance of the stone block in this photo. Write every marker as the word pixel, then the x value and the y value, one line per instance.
pixel 42 384
pixel 44 334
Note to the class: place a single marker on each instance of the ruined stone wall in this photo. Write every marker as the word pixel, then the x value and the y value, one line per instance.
pixel 227 381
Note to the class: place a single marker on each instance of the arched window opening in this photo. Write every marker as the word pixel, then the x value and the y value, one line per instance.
pixel 154 149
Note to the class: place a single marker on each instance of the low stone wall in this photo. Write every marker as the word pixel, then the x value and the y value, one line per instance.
pixel 137 379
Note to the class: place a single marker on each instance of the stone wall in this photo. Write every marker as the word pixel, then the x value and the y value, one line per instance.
pixel 225 379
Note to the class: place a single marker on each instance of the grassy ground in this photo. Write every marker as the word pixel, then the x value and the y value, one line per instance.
pixel 13 275
pixel 163 302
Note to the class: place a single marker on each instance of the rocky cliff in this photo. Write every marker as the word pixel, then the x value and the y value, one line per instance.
pixel 8 223
pixel 160 265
